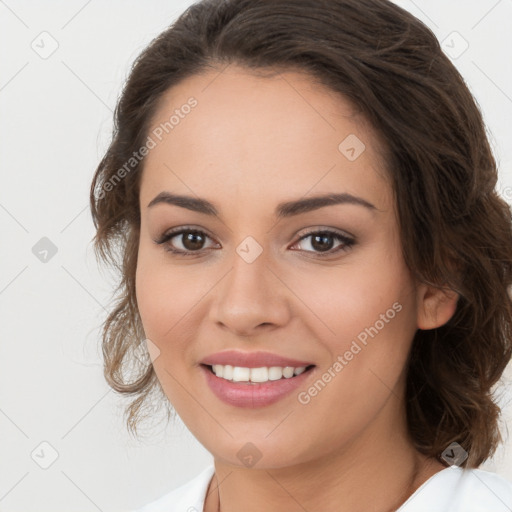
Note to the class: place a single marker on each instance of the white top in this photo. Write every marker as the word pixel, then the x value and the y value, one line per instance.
pixel 450 490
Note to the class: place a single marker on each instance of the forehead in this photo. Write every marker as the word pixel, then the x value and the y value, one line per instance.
pixel 234 131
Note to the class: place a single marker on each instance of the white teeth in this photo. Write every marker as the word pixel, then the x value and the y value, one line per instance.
pixel 227 372
pixel 288 372
pixel 241 374
pixel 259 374
pixel 263 374
pixel 218 369
pixel 275 373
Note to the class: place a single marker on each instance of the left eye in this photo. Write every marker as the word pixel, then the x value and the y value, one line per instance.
pixel 323 241
pixel 192 241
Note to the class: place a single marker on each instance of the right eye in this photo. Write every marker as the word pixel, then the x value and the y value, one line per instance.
pixel 191 240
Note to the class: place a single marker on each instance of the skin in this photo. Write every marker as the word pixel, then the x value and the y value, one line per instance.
pixel 251 143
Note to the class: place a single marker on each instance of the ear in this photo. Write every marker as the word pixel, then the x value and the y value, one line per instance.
pixel 435 306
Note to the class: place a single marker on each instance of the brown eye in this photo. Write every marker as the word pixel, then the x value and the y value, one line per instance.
pixel 192 240
pixel 184 241
pixel 323 242
pixel 189 241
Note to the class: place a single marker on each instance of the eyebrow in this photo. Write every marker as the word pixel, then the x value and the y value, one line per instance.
pixel 286 209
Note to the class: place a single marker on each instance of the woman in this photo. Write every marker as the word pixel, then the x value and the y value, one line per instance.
pixel 313 255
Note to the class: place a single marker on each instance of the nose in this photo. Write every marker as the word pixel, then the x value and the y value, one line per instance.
pixel 251 298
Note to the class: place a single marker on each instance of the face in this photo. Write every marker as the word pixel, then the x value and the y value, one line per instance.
pixel 252 272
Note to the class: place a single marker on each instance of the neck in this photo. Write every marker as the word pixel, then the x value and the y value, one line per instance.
pixel 379 471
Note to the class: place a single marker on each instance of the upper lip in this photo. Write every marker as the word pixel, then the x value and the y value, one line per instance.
pixel 252 359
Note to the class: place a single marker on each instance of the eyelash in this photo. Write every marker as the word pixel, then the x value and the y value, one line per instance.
pixel 347 242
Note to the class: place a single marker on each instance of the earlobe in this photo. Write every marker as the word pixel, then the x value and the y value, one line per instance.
pixel 435 306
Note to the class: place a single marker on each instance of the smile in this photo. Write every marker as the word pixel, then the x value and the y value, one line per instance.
pixel 245 387
pixel 258 375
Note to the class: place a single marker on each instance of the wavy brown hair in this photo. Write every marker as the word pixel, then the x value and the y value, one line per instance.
pixel 455 229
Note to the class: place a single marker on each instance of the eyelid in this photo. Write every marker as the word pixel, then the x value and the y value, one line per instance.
pixel 178 230
pixel 324 229
pixel 348 239
pixel 309 231
pixel 171 233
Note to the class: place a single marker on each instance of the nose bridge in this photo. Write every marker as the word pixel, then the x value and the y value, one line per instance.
pixel 250 295
pixel 250 266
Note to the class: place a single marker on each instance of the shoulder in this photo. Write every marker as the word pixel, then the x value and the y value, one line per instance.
pixel 484 491
pixel 187 498
pixel 455 489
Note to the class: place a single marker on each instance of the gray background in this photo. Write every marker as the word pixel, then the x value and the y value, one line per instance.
pixel 62 67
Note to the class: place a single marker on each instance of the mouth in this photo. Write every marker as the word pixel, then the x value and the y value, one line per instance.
pixel 254 388
pixel 254 376
pixel 254 379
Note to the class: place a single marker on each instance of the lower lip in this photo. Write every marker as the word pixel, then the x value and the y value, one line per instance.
pixel 252 395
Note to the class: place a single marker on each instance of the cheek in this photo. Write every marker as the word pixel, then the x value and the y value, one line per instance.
pixel 343 302
pixel 161 297
pixel 372 318
pixel 163 301
pixel 366 325
pixel 170 299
